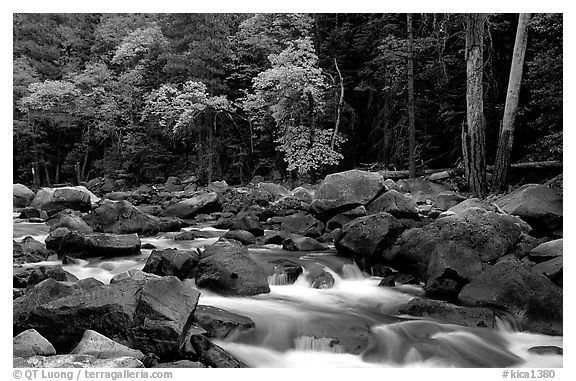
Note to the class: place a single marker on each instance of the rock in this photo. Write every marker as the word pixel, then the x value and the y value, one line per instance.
pixel 70 219
pixel 77 245
pixel 394 279
pixel 219 323
pixel 553 269
pixel 338 221
pixel 282 271
pixel 134 275
pixel 249 223
pixel 218 186
pixel 227 268
pixel 547 250
pixel 122 217
pixel 30 343
pixel 546 350
pixel 448 199
pixel 101 347
pixel 189 208
pixel 54 200
pixel 242 236
pixel 119 196
pixel 54 237
pixel 395 203
pixel 146 314
pixel 211 354
pixel 421 189
pixel 76 361
pixel 472 203
pixel 365 236
pixel 276 190
pixel 21 196
pixel 274 238
pixel 180 364
pixel 173 184
pixel 302 194
pixel 28 276
pixel 179 263
pixel 319 278
pixel 528 295
pixel 474 233
pixel 28 251
pixel 300 243
pixel 556 183
pixel 303 224
pixel 33 213
pixel 525 245
pixel 445 312
pixel 342 191
pixel 153 210
pixel 536 204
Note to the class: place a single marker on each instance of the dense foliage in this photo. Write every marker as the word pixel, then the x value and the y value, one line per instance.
pixel 226 96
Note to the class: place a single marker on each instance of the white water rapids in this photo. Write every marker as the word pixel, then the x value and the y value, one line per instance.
pixel 351 324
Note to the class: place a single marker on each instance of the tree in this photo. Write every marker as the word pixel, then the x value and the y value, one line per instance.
pixel 502 162
pixel 411 112
pixel 473 132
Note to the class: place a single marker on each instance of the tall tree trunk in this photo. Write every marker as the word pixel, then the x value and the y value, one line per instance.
pixel 210 150
pixel 473 133
pixel 502 162
pixel 411 105
pixel 339 108
pixel 85 165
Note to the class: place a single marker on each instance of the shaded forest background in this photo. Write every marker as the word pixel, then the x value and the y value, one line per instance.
pixel 231 96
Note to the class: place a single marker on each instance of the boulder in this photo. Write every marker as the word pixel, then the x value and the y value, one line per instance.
pixel 302 224
pixel 472 203
pixel 536 204
pixel 76 361
pixel 203 203
pixel 28 276
pixel 301 243
pixel 302 194
pixel 146 314
pixel 242 236
pixel 70 219
pixel 319 278
pixel 249 223
pixel 101 347
pixel 211 354
pixel 179 263
pixel 546 350
pixel 448 199
pixel 553 269
pixel 274 238
pixel 422 191
pixel 282 271
pixel 276 190
pixel 34 214
pixel 546 251
pixel 21 196
pixel 227 268
pixel 395 203
pixel 366 236
pixel 528 295
pixel 30 343
pixel 218 186
pixel 28 251
pixel 54 237
pixel 338 221
pixel 173 184
pixel 77 245
pixel 445 312
pixel 54 200
pixel 342 191
pixel 396 278
pixel 122 217
pixel 220 323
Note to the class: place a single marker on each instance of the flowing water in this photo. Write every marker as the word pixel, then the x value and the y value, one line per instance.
pixel 351 324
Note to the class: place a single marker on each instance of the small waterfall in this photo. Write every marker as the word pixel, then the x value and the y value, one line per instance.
pixel 315 344
pixel 352 271
pixel 279 279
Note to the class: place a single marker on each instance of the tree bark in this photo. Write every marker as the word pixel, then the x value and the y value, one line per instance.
pixel 339 108
pixel 411 105
pixel 473 133
pixel 505 143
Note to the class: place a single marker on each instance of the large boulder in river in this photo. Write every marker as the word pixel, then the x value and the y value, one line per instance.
pixel 547 250
pixel 536 204
pixel 179 263
pixel 342 191
pixel 30 343
pixel 528 295
pixel 422 191
pixel 395 203
pixel 146 314
pixel 70 219
pixel 249 223
pixel 203 203
pixel 99 346
pixel 303 224
pixel 227 268
pixel 54 200
pixel 29 250
pixel 78 245
pixel 23 277
pixel 121 217
pixel 362 237
pixel 21 196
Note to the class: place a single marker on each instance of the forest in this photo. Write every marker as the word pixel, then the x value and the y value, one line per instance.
pixel 283 96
